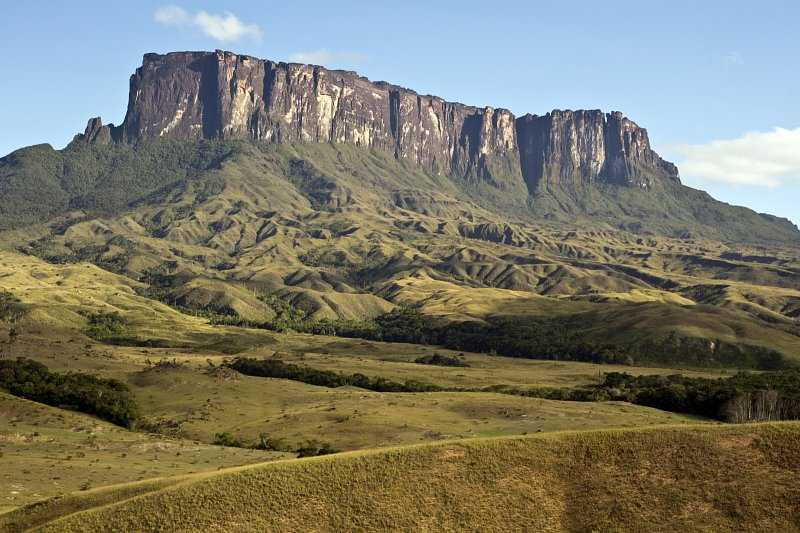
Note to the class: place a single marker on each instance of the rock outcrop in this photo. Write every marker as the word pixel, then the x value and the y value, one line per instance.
pixel 95 132
pixel 221 95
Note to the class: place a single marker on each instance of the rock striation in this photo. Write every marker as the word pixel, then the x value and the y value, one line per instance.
pixel 569 148
pixel 221 95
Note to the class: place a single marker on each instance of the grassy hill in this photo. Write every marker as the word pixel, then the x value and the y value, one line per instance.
pixel 155 264
pixel 192 400
pixel 741 478
pixel 47 452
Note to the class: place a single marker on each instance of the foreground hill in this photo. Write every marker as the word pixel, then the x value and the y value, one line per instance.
pixel 741 478
pixel 48 452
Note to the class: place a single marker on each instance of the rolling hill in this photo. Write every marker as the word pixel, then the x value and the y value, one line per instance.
pixel 338 232
pixel 295 189
pixel 742 478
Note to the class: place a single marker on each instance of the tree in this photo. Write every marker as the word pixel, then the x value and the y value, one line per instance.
pixel 11 311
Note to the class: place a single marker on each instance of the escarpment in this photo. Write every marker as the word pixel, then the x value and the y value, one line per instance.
pixel 221 95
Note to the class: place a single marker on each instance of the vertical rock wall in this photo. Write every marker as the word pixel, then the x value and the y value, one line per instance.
pixel 220 95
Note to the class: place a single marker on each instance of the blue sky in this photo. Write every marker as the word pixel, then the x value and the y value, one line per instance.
pixel 714 82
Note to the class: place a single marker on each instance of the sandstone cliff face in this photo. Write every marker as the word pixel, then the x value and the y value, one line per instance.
pixel 570 148
pixel 220 95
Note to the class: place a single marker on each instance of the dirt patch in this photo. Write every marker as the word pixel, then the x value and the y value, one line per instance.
pixel 19 438
pixel 738 441
pixel 451 454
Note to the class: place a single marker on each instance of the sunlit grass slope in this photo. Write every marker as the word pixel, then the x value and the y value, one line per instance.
pixel 731 478
pixel 45 452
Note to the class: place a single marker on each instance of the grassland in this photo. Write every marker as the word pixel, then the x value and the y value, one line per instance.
pixel 192 402
pixel 396 361
pixel 742 478
pixel 188 406
pixel 46 452
pixel 189 403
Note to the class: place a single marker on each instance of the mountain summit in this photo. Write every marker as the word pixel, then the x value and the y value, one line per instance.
pixel 221 95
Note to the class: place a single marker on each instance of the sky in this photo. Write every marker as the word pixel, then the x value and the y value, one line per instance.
pixel 716 83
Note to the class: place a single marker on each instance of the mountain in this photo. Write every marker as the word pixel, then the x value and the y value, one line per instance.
pixel 587 167
pixel 254 191
pixel 220 95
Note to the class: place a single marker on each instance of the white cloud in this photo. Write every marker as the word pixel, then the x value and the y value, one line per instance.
pixel 767 159
pixel 171 16
pixel 224 28
pixel 733 59
pixel 326 57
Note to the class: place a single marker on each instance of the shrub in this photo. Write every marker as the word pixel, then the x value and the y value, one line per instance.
pixel 313 448
pixel 440 360
pixel 265 442
pixel 103 326
pixel 226 439
pixel 11 308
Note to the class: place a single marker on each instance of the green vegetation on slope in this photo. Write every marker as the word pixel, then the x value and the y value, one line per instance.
pixel 104 326
pixel 339 232
pixel 665 209
pixel 39 183
pixel 11 308
pixel 561 338
pixel 568 338
pixel 441 360
pixel 744 397
pixel 741 478
pixel 275 368
pixel 108 399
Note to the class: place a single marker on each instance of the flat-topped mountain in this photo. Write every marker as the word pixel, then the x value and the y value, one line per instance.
pixel 221 95
pixel 581 169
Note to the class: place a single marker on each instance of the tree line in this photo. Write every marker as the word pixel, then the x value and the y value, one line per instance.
pixel 557 338
pixel 745 397
pixel 107 399
pixel 275 368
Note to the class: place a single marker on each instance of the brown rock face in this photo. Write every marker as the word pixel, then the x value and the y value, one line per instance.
pixel 575 147
pixel 220 95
